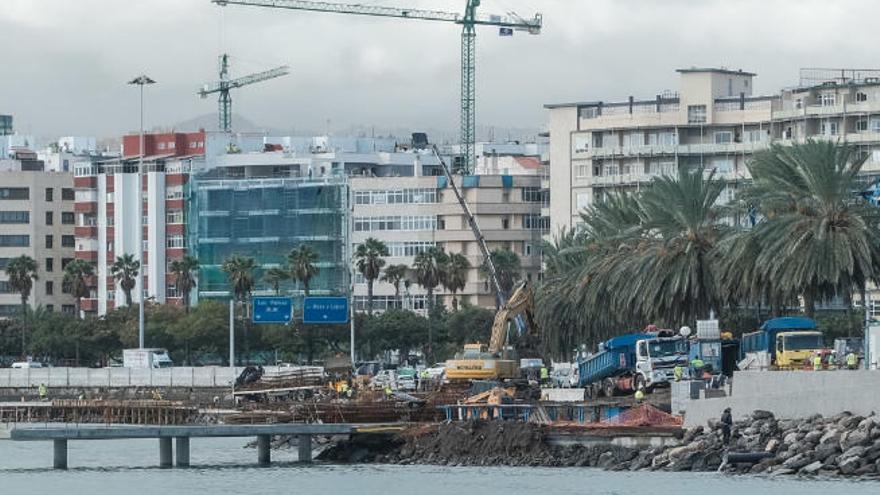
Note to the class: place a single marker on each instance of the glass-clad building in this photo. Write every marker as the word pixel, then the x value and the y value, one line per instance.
pixel 265 218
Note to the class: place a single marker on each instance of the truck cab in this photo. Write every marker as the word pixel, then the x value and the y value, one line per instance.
pixel 795 349
pixel 656 358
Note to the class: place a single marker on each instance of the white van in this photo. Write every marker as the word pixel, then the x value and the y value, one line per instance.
pixel 27 364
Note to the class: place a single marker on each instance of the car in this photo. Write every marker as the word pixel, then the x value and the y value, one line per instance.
pixel 406 382
pixel 27 364
pixel 436 371
pixel 383 378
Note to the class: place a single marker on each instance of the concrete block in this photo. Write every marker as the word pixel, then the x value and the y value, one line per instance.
pixel 140 377
pixel 78 377
pixel 36 376
pixel 161 377
pixel 58 377
pixel 119 377
pixel 183 377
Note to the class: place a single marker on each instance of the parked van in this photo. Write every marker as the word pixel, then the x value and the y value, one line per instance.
pixel 27 364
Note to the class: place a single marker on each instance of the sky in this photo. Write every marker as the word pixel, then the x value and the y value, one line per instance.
pixel 65 62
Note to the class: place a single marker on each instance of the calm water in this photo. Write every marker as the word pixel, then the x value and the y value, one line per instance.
pixel 222 466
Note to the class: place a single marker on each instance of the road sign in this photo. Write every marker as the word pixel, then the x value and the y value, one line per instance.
pixel 328 310
pixel 273 310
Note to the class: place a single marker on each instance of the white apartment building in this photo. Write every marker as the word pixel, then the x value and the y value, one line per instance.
pixel 714 121
pixel 37 220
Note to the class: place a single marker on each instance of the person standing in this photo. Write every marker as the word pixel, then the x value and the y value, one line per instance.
pixel 43 391
pixel 852 361
pixel 817 362
pixel 678 372
pixel 726 424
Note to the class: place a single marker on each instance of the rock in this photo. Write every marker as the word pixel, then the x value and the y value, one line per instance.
pixel 849 465
pixel 790 438
pixel 825 450
pixel 867 423
pixel 772 445
pixel 782 471
pixel 691 434
pixel 759 414
pixel 853 438
pixel 866 469
pixel 811 468
pixel 814 436
pixel 797 462
pixel 856 451
pixel 831 435
pixel 850 422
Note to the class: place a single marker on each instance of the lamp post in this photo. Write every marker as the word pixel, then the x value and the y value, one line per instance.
pixel 141 81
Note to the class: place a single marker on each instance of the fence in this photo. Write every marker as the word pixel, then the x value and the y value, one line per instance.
pixel 196 377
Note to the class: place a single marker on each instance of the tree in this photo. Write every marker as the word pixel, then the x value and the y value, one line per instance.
pixel 454 275
pixel 184 271
pixel 240 274
pixel 125 271
pixel 302 264
pixel 22 271
pixel 370 262
pixel 274 277
pixel 815 237
pixel 428 269
pixel 395 275
pixel 76 274
pixel 507 268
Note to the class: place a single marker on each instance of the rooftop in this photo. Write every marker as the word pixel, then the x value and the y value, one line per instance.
pixel 719 70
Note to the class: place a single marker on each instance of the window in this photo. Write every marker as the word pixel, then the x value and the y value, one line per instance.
pixel 861 96
pixel 828 99
pixel 15 193
pixel 527 249
pixel 68 218
pixel 51 307
pixel 175 241
pixel 49 218
pixel 597 140
pixel 505 223
pixel 532 195
pixel 49 193
pixel 755 136
pixel 161 145
pixel 65 262
pixel 170 145
pixel 723 137
pixel 409 248
pixel 68 309
pixel 536 222
pixel 15 240
pixel 67 194
pixel 68 241
pixel 49 264
pixel 828 128
pixel 862 125
pixel 50 287
pixel 396 196
pixel 174 216
pixel 401 223
pixel 589 112
pixel 15 217
pixel 723 165
pixel 174 192
pixel 582 170
pixel 110 197
pixel 696 114
pixel 49 242
pixel 6 287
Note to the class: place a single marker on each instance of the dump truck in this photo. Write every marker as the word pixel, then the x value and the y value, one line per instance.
pixel 789 343
pixel 628 362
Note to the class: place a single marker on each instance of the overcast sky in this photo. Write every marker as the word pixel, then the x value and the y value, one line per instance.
pixel 65 62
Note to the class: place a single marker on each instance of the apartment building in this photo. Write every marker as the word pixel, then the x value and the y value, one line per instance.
pixel 107 214
pixel 37 220
pixel 714 121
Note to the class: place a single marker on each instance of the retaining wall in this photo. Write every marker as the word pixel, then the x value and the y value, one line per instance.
pixel 792 395
pixel 195 377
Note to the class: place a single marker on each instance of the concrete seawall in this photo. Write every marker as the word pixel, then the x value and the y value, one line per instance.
pixel 792 395
pixel 184 376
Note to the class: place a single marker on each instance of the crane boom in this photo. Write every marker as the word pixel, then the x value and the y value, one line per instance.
pixel 469 20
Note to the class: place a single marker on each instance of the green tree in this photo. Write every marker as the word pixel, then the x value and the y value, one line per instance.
pixel 76 275
pixel 22 271
pixel 275 277
pixel 240 275
pixel 302 262
pixel 428 270
pixel 395 275
pixel 469 324
pixel 815 237
pixel 454 275
pixel 125 271
pixel 369 261
pixel 507 267
pixel 184 271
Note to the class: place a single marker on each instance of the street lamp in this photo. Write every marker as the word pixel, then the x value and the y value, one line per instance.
pixel 141 81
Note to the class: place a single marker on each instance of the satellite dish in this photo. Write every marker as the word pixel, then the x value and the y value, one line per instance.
pixel 684 331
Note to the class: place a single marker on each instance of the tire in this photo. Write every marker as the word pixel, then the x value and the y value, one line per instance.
pixel 609 387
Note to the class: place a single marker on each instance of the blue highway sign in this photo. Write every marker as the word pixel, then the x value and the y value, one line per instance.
pixel 272 310
pixel 329 310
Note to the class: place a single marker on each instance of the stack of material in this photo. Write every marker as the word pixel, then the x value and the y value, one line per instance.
pixel 644 415
pixel 284 378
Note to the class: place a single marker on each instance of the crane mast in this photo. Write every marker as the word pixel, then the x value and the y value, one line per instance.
pixel 469 20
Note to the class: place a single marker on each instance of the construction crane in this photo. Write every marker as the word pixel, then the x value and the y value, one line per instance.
pixel 507 24
pixel 225 84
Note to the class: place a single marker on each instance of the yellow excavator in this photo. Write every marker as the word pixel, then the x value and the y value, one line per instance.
pixel 495 361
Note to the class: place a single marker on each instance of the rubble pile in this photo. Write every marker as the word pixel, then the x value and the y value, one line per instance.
pixel 843 445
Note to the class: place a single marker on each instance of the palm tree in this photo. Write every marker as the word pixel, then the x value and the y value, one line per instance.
pixel 394 275
pixel 428 269
pixel 274 277
pixel 302 265
pixel 370 262
pixel 455 272
pixel 75 274
pixel 507 268
pixel 125 271
pixel 240 274
pixel 22 271
pixel 817 239
pixel 184 270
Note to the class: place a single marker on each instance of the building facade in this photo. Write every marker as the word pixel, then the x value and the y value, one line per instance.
pixel 714 122
pixel 36 219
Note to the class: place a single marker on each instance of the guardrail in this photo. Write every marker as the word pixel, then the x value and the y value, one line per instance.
pixel 197 377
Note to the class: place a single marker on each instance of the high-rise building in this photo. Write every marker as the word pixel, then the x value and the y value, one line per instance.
pixel 715 121
pixel 36 220
pixel 5 125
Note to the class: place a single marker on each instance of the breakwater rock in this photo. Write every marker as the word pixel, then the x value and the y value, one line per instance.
pixel 843 445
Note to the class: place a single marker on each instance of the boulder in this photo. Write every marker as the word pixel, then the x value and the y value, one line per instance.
pixel 814 436
pixel 797 462
pixel 772 445
pixel 849 465
pixel 811 468
pixel 790 438
pixel 831 435
pixel 853 438
pixel 856 451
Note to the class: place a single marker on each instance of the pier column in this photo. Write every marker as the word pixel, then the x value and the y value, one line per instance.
pixel 60 448
pixel 164 452
pixel 305 447
pixel 182 451
pixel 263 454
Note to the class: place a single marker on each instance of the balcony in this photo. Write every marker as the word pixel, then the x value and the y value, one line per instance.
pixel 88 231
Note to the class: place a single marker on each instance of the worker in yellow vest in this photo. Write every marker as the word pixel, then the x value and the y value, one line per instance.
pixel 43 391
pixel 545 375
pixel 678 372
pixel 817 362
pixel 852 361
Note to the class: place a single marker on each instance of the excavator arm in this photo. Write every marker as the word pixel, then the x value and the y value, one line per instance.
pixel 519 303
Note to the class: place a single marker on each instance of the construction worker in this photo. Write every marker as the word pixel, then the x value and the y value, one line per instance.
pixel 726 423
pixel 817 362
pixel 343 389
pixel 388 391
pixel 697 365
pixel 43 391
pixel 640 396
pixel 545 375
pixel 678 372
pixel 852 360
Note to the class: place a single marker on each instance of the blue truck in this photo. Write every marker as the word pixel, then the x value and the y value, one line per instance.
pixel 625 363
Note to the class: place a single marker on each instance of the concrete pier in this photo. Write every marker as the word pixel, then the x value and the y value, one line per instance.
pixel 60 448
pixel 264 455
pixel 164 452
pixel 304 453
pixel 182 454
